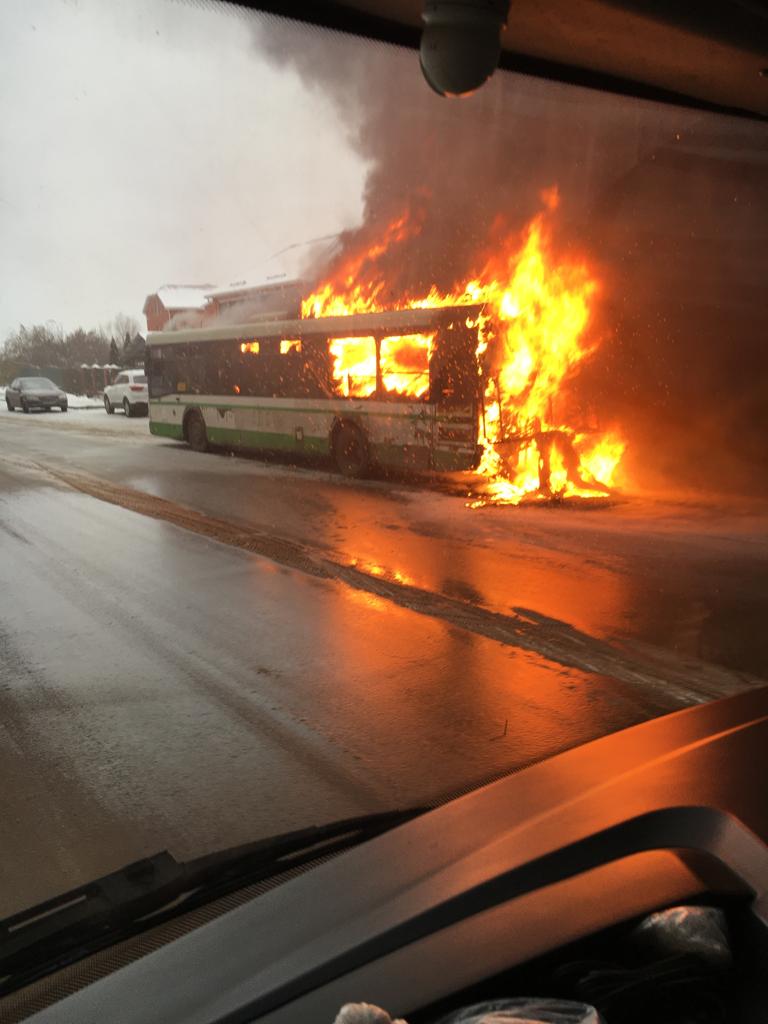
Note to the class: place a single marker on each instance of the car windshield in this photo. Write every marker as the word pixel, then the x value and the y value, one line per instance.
pixel 453 453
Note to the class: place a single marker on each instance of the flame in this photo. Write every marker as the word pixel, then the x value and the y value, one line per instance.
pixel 405 364
pixel 403 360
pixel 354 366
pixel 533 336
pixel 354 288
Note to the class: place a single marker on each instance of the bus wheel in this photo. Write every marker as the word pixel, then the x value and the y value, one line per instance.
pixel 350 450
pixel 194 429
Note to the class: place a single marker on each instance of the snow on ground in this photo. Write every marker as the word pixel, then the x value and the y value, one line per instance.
pixel 88 419
pixel 83 402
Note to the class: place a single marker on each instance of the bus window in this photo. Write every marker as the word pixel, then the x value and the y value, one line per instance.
pixel 404 365
pixel 182 368
pixel 317 372
pixel 164 373
pixel 290 370
pixel 199 380
pixel 302 370
pixel 258 369
pixel 204 364
pixel 290 345
pixel 354 366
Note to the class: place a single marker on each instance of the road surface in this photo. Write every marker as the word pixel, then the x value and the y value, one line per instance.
pixel 196 650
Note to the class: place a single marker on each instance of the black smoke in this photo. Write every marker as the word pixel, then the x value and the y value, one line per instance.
pixel 670 206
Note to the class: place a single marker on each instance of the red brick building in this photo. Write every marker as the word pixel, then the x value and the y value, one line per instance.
pixel 186 301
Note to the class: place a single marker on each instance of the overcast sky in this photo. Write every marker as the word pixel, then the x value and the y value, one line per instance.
pixel 145 142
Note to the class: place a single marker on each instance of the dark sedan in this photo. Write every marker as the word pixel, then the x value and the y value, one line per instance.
pixel 27 393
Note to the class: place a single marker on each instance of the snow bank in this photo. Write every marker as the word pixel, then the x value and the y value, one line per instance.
pixel 83 402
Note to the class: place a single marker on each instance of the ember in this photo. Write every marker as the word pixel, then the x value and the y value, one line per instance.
pixel 532 338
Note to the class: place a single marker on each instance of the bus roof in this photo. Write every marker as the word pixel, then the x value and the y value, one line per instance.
pixel 394 322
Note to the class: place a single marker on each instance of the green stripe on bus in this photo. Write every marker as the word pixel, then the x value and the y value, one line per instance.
pixel 264 439
pixel 166 430
pixel 335 410
pixel 415 456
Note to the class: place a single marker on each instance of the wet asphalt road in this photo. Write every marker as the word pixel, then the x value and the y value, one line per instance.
pixel 161 689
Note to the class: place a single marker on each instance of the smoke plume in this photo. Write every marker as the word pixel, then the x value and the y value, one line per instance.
pixel 668 205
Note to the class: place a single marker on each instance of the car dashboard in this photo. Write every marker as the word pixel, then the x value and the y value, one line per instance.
pixel 479 889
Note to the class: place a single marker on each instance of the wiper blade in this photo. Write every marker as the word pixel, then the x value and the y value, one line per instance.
pixel 69 927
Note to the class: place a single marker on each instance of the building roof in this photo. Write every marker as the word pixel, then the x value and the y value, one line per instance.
pixel 289 266
pixel 242 289
pixel 182 296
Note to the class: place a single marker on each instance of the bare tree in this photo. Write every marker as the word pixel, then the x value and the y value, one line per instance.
pixel 86 347
pixel 120 326
pixel 39 345
pixel 46 346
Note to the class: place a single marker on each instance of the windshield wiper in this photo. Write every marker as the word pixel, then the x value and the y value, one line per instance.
pixel 148 892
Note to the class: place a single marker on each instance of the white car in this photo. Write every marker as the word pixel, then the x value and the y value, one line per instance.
pixel 129 391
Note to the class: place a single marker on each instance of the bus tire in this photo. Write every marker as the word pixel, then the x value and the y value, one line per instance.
pixel 350 450
pixel 195 433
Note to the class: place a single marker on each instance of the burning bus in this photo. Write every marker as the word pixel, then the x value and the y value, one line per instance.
pixel 472 378
pixel 392 389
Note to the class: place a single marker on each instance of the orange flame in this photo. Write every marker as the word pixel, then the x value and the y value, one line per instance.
pixel 354 366
pixel 403 360
pixel 354 288
pixel 405 364
pixel 532 338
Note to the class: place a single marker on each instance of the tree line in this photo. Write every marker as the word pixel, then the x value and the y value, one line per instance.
pixel 47 345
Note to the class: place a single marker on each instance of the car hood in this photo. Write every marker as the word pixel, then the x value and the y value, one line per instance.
pixel 42 393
